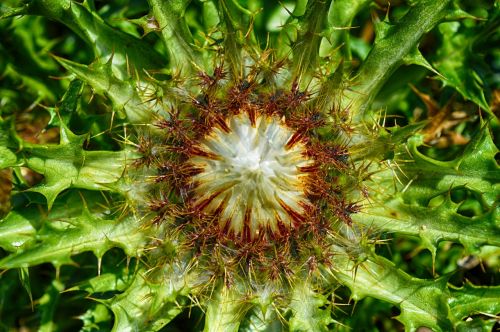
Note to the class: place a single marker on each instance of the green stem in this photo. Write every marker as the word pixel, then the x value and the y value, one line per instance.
pixel 232 43
pixel 340 16
pixel 48 306
pixel 170 17
pixel 306 47
pixel 126 51
pixel 388 52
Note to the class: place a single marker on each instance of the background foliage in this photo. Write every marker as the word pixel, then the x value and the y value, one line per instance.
pixel 72 257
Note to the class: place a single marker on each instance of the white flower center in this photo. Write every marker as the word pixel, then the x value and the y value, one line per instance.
pixel 249 178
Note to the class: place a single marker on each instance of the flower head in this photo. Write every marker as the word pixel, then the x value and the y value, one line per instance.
pixel 252 176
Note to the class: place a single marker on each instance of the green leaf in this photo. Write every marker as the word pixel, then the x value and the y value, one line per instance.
pixel 123 94
pixel 340 16
pixel 432 224
pixel 382 146
pixel 308 310
pixel 477 324
pixel 7 158
pixel 455 61
pixel 149 303
pixel 106 282
pixel 263 315
pixel 225 310
pixel 261 320
pixel 476 169
pixel 12 299
pixel 69 101
pixel 68 165
pixel 415 57
pixel 125 51
pixel 423 303
pixel 94 316
pixel 233 40
pixel 16 230
pixel 175 33
pixel 48 306
pixel 25 47
pixel 389 51
pixel 424 207
pixel 306 48
pixel 471 300
pixel 62 237
pixel 24 276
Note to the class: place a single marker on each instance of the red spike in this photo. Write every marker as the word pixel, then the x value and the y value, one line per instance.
pixel 197 151
pixel 283 230
pixel 296 137
pixel 225 229
pixel 296 217
pixel 252 116
pixel 222 123
pixel 219 209
pixel 246 225
pixel 201 206
pixel 309 168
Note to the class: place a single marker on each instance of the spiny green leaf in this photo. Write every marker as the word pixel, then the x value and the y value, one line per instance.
pixel 382 145
pixel 306 47
pixel 424 207
pixel 455 61
pixel 233 40
pixel 125 50
pixel 476 169
pixel 415 57
pixel 308 312
pixel 225 310
pixel 423 303
pixel 433 224
pixel 68 165
pixel 388 54
pixel 123 94
pixel 175 33
pixel 148 305
pixel 259 320
pixel 456 13
pixel 263 315
pixel 340 16
pixel 106 282
pixel 16 230
pixel 470 300
pixel 62 237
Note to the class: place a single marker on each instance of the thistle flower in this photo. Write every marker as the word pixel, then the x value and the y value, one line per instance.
pixel 248 168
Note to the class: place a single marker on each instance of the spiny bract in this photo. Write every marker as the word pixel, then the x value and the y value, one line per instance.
pixel 236 165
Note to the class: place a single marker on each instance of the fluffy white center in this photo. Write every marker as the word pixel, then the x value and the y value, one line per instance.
pixel 251 181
